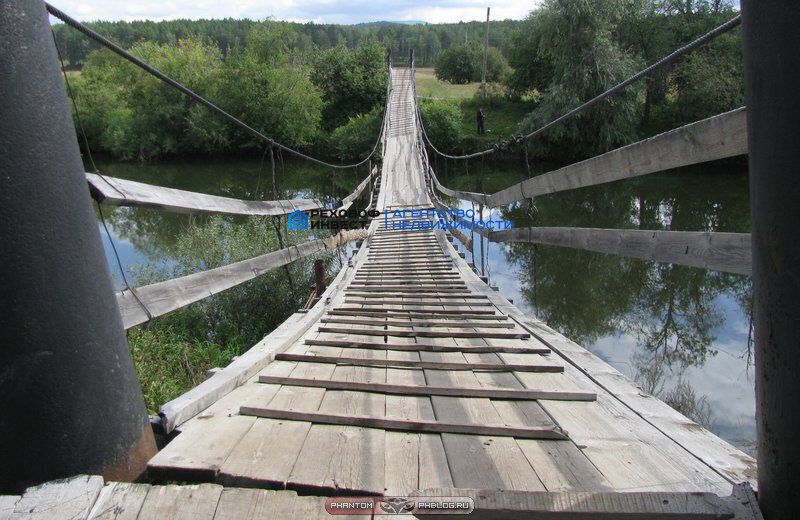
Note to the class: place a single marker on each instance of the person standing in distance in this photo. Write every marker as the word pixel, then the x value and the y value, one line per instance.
pixel 481 118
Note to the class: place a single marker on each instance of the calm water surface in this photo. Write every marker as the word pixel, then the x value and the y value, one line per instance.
pixel 665 326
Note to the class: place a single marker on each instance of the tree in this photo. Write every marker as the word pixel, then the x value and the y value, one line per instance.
pixel 577 40
pixel 352 81
pixel 463 63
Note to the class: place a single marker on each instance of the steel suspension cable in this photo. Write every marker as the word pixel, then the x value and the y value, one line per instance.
pixel 666 60
pixel 193 95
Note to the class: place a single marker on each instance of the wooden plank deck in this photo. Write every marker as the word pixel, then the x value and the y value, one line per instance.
pixel 87 497
pixel 416 360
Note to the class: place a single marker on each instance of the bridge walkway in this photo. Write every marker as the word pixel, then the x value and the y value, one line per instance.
pixel 411 373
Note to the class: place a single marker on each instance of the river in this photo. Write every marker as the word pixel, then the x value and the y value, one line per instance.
pixel 683 333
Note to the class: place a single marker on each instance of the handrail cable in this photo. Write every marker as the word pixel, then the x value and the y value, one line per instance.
pixel 666 60
pixel 197 97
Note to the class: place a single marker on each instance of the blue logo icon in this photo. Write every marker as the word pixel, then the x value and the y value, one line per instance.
pixel 298 220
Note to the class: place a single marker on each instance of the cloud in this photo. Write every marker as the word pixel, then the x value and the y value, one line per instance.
pixel 321 11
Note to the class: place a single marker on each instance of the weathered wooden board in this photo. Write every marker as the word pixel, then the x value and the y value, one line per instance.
pixel 506 504
pixel 119 501
pixel 421 364
pixel 714 138
pixel 121 192
pixel 494 393
pixel 727 252
pixel 427 346
pixel 192 502
pixel 68 498
pixel 158 299
pixel 407 425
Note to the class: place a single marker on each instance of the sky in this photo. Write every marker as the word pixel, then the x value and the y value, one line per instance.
pixel 321 11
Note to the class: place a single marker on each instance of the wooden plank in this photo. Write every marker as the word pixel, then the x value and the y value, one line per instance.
pixel 406 425
pixel 161 298
pixel 399 323
pixel 68 498
pixel 420 364
pixel 402 289
pixel 266 455
pixel 378 301
pixel 426 347
pixel 338 457
pixel 427 333
pixel 122 192
pixel 480 461
pixel 726 252
pixel 193 502
pixel 717 137
pixel 439 313
pixel 409 313
pixel 255 504
pixel 7 504
pixel 403 463
pixel 119 501
pixel 205 441
pixel 509 504
pixel 494 393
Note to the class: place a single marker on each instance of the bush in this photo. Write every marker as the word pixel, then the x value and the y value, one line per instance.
pixel 442 121
pixel 354 140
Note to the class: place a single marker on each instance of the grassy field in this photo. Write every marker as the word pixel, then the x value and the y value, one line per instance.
pixel 502 115
pixel 430 87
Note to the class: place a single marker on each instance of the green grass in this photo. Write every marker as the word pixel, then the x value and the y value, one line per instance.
pixel 430 87
pixel 503 117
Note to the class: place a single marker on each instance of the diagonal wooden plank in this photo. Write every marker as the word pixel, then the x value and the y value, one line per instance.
pixel 427 346
pixel 407 425
pixel 494 393
pixel 419 364
pixel 122 192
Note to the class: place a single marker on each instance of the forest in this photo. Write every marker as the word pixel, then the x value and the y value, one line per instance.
pixel 322 87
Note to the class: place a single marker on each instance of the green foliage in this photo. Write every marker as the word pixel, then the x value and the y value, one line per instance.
pixel 571 50
pixel 352 81
pixel 353 140
pixel 279 100
pixel 461 64
pixel 577 40
pixel 133 115
pixel 173 352
pixel 442 120
pixel 168 363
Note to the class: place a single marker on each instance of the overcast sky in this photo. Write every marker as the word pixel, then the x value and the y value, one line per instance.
pixel 320 11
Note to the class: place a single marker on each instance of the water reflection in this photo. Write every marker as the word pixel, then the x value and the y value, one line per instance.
pixel 683 333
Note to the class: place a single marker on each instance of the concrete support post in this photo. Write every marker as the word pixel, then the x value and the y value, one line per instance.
pixel 772 73
pixel 69 399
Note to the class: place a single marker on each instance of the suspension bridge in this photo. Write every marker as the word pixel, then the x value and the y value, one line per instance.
pixel 408 377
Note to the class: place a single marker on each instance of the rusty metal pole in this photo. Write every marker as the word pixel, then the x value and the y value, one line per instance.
pixel 772 75
pixel 319 277
pixel 69 398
